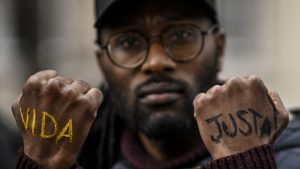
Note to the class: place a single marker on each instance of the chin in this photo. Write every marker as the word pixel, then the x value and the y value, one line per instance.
pixel 166 125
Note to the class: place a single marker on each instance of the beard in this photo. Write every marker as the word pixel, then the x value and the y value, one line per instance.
pixel 164 123
pixel 167 121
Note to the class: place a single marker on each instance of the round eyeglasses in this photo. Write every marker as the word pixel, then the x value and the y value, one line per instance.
pixel 181 42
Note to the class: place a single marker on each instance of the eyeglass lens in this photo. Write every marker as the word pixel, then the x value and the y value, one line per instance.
pixel 181 42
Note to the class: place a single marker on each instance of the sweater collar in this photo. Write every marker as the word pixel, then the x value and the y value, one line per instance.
pixel 137 156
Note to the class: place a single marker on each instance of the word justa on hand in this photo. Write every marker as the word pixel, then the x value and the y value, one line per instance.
pixel 250 126
pixel 46 120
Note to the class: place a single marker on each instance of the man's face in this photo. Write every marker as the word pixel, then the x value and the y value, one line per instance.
pixel 156 97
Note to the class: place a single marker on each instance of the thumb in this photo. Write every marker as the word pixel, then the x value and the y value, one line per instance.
pixel 277 102
pixel 15 105
pixel 283 114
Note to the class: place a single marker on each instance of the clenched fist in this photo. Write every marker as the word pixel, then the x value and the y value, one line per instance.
pixel 239 115
pixel 54 114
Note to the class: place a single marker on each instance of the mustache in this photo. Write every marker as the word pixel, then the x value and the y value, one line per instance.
pixel 180 84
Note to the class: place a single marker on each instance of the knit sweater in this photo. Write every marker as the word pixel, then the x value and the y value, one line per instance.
pixel 136 157
pixel 261 157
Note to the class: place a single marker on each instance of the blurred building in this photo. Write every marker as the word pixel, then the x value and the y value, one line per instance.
pixel 262 39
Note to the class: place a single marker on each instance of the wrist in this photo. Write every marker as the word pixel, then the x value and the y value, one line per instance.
pixel 56 161
pixel 262 155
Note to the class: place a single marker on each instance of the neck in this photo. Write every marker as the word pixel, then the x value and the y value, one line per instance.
pixel 167 150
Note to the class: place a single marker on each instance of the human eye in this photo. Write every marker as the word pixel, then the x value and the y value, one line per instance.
pixel 129 40
pixel 182 34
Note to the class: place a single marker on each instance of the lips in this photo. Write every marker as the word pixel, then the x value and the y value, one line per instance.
pixel 159 93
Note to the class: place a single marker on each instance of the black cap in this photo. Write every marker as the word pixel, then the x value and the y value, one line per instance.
pixel 102 6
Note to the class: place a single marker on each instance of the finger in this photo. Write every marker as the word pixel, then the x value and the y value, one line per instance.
pixel 233 88
pixel 279 106
pixel 96 97
pixel 63 79
pixel 232 81
pixel 214 89
pixel 277 101
pixel 46 74
pixel 55 84
pixel 35 82
pixel 199 103
pixel 16 109
pixel 234 84
pixel 80 86
pixel 256 83
pixel 15 105
pixel 58 87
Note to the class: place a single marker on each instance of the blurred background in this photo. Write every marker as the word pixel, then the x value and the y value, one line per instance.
pixel 262 39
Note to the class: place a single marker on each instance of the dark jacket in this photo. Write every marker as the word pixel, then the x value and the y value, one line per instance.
pixel 9 144
pixel 287 146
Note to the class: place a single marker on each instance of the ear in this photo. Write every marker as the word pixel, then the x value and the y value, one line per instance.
pixel 220 41
pixel 99 54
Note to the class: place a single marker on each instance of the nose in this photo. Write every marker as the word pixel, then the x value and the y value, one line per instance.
pixel 158 62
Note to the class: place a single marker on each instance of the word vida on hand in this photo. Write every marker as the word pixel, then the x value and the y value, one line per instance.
pixel 67 130
pixel 265 129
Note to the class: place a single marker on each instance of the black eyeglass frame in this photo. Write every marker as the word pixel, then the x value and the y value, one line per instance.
pixel 213 29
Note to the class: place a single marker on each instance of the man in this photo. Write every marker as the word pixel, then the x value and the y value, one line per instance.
pixel 160 60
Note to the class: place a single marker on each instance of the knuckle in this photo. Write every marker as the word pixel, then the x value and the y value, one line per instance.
pixel 256 83
pixel 54 84
pixel 96 96
pixel 65 79
pixel 33 79
pixel 47 72
pixel 32 83
pixel 255 79
pixel 199 101
pixel 82 83
pixel 80 86
pixel 71 93
pixel 51 71
pixel 235 85
pixel 215 89
pixel 233 81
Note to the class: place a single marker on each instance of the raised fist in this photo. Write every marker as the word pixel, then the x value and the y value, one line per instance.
pixel 239 115
pixel 54 114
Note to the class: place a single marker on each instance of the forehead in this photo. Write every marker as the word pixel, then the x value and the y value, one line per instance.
pixel 139 12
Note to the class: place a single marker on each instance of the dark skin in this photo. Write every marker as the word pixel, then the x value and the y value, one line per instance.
pixel 159 63
pixel 79 102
